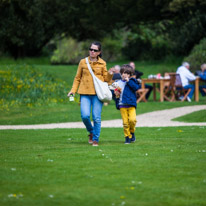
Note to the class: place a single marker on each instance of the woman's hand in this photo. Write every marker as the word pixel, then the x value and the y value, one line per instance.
pixel 112 70
pixel 70 93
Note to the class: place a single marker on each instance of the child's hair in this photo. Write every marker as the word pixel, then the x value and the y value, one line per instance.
pixel 126 68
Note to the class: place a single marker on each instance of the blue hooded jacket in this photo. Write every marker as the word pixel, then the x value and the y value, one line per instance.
pixel 129 96
pixel 203 75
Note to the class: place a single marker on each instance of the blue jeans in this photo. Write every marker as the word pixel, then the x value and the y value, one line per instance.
pixel 88 103
pixel 192 87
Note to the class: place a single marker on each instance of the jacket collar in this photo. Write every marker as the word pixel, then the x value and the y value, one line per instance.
pixel 99 60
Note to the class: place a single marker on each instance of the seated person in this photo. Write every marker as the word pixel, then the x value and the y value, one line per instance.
pixel 186 76
pixel 138 75
pixel 202 76
pixel 116 75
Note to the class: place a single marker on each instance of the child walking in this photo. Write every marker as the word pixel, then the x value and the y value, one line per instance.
pixel 126 102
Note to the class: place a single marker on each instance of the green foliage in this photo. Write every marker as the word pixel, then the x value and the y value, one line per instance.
pixel 188 26
pixel 113 45
pixel 24 85
pixel 179 5
pixel 165 166
pixel 33 23
pixel 148 42
pixel 7 60
pixel 197 56
pixel 68 51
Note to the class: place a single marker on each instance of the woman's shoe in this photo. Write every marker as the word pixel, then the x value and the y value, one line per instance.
pixel 95 144
pixel 90 138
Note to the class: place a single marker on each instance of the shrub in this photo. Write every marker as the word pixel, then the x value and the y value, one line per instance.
pixel 68 51
pixel 113 45
pixel 147 42
pixel 186 32
pixel 23 85
pixel 197 55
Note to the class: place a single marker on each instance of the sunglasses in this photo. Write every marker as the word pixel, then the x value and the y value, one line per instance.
pixel 94 50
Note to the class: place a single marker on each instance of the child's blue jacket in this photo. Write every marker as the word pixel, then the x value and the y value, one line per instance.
pixel 129 96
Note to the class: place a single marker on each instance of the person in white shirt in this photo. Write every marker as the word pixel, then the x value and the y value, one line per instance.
pixel 186 76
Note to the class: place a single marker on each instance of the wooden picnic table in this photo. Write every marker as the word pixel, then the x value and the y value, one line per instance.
pixel 162 81
pixel 155 81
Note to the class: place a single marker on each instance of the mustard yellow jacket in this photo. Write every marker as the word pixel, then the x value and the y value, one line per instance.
pixel 83 81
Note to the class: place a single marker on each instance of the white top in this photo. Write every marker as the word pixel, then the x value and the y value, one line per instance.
pixel 186 75
pixel 121 84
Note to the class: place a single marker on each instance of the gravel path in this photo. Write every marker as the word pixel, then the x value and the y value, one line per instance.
pixel 160 118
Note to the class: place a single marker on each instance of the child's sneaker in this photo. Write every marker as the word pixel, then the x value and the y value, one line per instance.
pixel 133 138
pixel 127 140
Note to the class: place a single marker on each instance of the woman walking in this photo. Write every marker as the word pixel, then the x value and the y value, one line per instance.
pixel 89 101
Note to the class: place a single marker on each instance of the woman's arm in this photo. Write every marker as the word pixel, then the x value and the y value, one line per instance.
pixel 108 74
pixel 77 79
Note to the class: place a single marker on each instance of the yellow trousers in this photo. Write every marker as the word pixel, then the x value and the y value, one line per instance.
pixel 129 120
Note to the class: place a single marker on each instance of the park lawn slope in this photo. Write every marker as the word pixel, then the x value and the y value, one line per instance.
pixel 198 116
pixel 165 166
pixel 70 112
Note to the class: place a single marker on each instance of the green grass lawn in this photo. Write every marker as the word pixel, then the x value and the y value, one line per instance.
pixel 198 116
pixel 165 166
pixel 70 112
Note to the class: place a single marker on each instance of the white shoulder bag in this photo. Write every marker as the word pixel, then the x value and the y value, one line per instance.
pixel 102 89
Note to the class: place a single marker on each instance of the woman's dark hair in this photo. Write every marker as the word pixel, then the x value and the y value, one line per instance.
pixel 126 68
pixel 98 44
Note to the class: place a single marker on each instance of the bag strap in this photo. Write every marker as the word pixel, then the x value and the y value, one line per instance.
pixel 89 67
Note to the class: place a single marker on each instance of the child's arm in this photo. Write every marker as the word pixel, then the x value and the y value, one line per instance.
pixel 133 84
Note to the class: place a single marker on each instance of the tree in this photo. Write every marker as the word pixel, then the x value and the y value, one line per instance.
pixel 189 24
pixel 27 26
